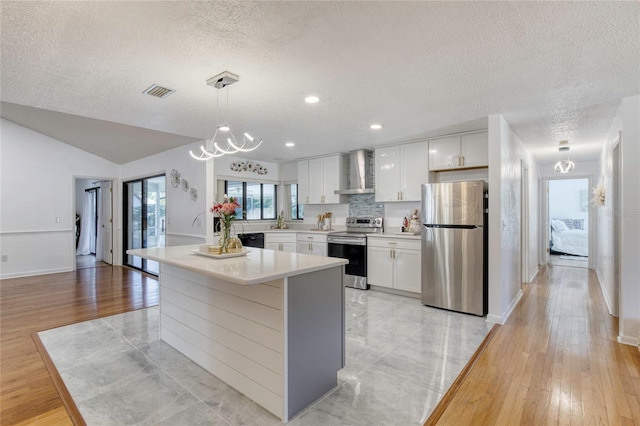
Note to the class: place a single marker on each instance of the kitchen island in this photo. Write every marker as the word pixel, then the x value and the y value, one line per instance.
pixel 270 324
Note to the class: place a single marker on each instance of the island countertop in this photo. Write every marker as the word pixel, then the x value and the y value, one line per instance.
pixel 258 266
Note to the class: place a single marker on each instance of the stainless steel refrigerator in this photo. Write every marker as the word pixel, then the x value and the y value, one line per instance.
pixel 454 246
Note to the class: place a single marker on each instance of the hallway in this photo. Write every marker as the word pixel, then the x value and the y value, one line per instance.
pixel 556 361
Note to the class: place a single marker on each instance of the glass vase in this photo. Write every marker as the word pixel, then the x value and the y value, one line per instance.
pixel 224 235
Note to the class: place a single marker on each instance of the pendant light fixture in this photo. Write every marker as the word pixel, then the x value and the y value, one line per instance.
pixel 216 148
pixel 564 166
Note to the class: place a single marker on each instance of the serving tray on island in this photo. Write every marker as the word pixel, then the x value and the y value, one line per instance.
pixel 244 252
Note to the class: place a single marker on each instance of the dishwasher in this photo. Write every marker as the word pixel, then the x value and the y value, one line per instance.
pixel 253 239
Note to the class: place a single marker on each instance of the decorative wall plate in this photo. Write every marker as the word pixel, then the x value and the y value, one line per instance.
pixel 193 192
pixel 185 185
pixel 174 178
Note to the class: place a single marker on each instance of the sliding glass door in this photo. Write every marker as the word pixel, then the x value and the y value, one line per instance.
pixel 144 210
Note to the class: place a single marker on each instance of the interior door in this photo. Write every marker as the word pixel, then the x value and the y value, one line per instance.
pixel 106 218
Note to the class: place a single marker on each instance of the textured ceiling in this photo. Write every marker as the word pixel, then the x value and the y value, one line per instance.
pixel 555 70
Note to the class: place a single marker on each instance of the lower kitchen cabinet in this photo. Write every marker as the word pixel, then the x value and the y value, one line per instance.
pixel 285 241
pixel 312 243
pixel 394 263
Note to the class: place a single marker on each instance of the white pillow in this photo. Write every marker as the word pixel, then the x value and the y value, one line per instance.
pixel 559 226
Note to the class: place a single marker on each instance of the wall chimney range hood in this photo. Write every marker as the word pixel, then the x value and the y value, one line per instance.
pixel 360 173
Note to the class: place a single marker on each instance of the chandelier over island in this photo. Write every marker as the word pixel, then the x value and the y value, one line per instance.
pixel 216 147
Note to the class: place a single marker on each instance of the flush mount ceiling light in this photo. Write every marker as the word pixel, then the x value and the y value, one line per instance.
pixel 376 126
pixel 564 166
pixel 289 144
pixel 214 147
pixel 311 99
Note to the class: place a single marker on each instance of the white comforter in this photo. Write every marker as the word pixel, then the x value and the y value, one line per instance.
pixel 572 241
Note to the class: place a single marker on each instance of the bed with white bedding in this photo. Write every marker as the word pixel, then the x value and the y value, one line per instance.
pixel 569 241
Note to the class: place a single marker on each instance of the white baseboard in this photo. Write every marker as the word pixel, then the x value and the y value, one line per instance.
pixel 34 273
pixel 533 276
pixel 629 340
pixel 502 319
pixel 494 319
pixel 605 295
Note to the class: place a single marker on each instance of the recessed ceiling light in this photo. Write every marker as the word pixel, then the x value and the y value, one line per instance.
pixel 289 144
pixel 376 126
pixel 311 99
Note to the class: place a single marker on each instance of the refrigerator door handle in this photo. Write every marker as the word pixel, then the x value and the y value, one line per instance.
pixel 430 225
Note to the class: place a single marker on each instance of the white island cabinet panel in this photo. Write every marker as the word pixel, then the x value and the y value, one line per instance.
pixel 270 324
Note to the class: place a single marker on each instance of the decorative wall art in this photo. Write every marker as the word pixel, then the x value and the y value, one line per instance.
pixel 174 177
pixel 178 181
pixel 242 166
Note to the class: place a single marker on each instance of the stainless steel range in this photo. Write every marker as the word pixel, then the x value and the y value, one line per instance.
pixel 352 245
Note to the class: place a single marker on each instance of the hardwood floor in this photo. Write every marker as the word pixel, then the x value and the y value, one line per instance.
pixel 556 361
pixel 27 394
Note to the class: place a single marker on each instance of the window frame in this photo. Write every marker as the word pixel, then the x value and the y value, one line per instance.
pixel 299 207
pixel 244 198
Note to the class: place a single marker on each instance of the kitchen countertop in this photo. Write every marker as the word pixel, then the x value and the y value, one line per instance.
pixel 308 231
pixel 258 266
pixel 406 236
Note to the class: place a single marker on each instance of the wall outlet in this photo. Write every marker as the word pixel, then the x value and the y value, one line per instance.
pixel 5 258
pixel 57 220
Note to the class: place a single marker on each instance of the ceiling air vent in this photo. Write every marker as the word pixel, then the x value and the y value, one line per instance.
pixel 158 91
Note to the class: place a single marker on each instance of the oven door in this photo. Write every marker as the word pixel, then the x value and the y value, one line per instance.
pixel 355 254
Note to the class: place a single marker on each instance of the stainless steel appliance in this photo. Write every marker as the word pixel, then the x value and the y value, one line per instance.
pixel 352 245
pixel 454 246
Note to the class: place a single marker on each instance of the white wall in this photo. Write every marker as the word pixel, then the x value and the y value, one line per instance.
pixel 622 299
pixel 37 179
pixel 289 172
pixel 181 209
pixel 605 261
pixel 506 152
pixel 630 271
pixel 565 201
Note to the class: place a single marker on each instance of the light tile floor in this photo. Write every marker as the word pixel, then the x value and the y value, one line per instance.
pixel 401 358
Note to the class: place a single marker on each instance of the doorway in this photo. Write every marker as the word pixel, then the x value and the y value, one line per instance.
pixel 93 243
pixel 568 213
pixel 144 224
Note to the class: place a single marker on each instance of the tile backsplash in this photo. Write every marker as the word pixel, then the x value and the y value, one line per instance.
pixel 365 205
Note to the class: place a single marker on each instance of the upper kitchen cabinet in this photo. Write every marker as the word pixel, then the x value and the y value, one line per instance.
pixel 400 170
pixel 318 178
pixel 459 152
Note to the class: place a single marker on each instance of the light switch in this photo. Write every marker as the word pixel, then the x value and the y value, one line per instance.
pixel 57 220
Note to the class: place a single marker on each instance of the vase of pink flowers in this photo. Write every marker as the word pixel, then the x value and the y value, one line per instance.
pixel 226 212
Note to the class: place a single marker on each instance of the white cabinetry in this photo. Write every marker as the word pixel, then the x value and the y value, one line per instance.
pixel 280 241
pixel 400 170
pixel 312 243
pixel 318 178
pixel 456 152
pixel 394 263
